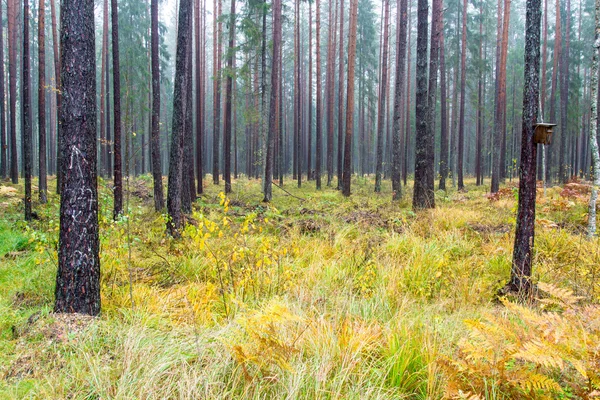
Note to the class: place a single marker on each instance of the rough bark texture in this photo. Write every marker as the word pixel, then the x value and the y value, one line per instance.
pixel 564 94
pixel 159 202
pixel 78 278
pixel 118 164
pixel 103 86
pixel 310 96
pixel 330 89
pixel 423 195
pixel 176 170
pixel 524 237
pixel 398 97
pixel 350 95
pixel 382 97
pixel 297 97
pixel 26 110
pixel 273 117
pixel 436 27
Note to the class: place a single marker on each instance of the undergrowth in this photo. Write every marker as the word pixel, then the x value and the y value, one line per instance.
pixel 311 296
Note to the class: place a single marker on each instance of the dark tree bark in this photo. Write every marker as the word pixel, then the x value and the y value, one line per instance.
pixel 3 144
pixel 444 116
pixel 228 97
pixel 159 202
pixel 43 182
pixel 319 133
pixel 78 278
pixel 463 78
pixel 273 117
pixel 310 97
pixel 407 130
pixel 398 97
pixel 12 87
pixel 520 276
pixel 176 169
pixel 341 99
pixel 216 89
pixel 382 97
pixel 352 25
pixel 297 97
pixel 188 192
pixel 26 110
pixel 118 164
pixel 423 195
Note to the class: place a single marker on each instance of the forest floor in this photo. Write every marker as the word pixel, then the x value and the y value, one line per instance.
pixel 314 296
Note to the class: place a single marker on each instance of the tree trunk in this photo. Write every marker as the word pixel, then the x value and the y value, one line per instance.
pixel 564 94
pixel 78 278
pixel 423 196
pixel 319 134
pixel 155 136
pixel 594 124
pixel 341 100
pixel 436 27
pixel 26 110
pixel 382 97
pixel 228 97
pixel 118 165
pixel 43 182
pixel 353 19
pixel 273 117
pixel 523 249
pixel 216 89
pixel 480 110
pixel 310 103
pixel 398 95
pixel 176 168
pixel 330 96
pixel 463 79
pixel 407 130
pixel 444 115
pixel 12 87
pixel 298 101
pixel 3 144
pixel 553 86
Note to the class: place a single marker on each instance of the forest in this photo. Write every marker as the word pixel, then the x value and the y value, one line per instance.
pixel 299 199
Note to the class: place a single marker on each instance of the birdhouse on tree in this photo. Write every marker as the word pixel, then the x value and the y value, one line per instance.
pixel 543 133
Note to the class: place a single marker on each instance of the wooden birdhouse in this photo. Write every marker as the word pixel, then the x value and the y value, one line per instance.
pixel 543 133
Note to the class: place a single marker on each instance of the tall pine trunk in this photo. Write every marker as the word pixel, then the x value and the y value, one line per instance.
pixel 3 143
pixel 382 97
pixel 352 26
pixel 444 116
pixel 319 133
pixel 341 99
pixel 463 79
pixel 159 202
pixel 398 97
pixel 43 182
pixel 273 115
pixel 520 277
pixel 26 110
pixel 118 164
pixel 593 138
pixel 228 96
pixel 78 277
pixel 12 87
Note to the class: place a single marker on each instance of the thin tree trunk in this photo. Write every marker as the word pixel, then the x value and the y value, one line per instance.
pixel 319 134
pixel 553 86
pixel 118 168
pixel 103 86
pixel 463 79
pixel 398 97
pixel 159 202
pixel 43 182
pixel 594 124
pixel 228 97
pixel 12 87
pixel 3 143
pixel 341 99
pixel 444 116
pixel 436 27
pixel 78 277
pixel 26 110
pixel 382 97
pixel 273 117
pixel 564 94
pixel 330 96
pixel 216 89
pixel 352 26
pixel 407 130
